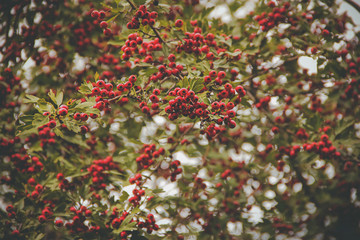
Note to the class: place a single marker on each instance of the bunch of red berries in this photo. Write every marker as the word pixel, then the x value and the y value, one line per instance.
pixel 46 215
pixel 147 18
pixel 77 225
pixel 149 153
pixel 25 164
pixel 45 134
pixel 324 148
pixel 175 170
pixel 149 224
pixel 100 15
pixel 278 15
pixel 98 171
pixel 138 193
pixel 11 211
pixel 186 103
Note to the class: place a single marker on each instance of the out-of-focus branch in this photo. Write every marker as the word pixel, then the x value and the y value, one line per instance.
pixel 353 4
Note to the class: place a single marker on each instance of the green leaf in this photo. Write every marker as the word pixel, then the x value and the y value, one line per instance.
pixel 314 122
pixel 184 83
pixel 86 87
pixel 124 196
pixel 343 126
pixel 26 130
pixel 59 98
pixel 197 85
pixel 40 236
pixel 30 99
pixel 52 96
pixel 96 77
pixel 84 105
pixel 39 120
pixel 58 132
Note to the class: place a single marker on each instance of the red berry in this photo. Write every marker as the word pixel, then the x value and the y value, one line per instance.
pixel 52 124
pixel 59 223
pixel 179 23
pixel 171 58
pixel 63 112
pixel 103 24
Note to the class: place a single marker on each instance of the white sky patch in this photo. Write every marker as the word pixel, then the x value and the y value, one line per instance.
pixel 308 63
pixel 186 160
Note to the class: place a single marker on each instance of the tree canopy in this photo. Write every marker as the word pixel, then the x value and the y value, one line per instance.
pixel 150 119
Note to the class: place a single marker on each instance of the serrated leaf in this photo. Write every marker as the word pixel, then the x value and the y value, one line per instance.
pixel 58 132
pixel 39 120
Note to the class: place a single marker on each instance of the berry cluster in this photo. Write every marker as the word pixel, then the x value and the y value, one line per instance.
pixel 46 215
pixel 84 116
pixel 302 134
pixel 186 103
pixel 124 87
pixel 147 18
pixel 269 20
pixel 37 190
pixel 154 99
pixel 45 29
pixel 175 170
pixel 100 88
pixel 64 183
pixel 77 225
pixel 80 33
pixel 149 153
pixel 99 16
pixel 98 171
pixel 11 211
pixel 108 59
pixel 25 164
pixel 7 144
pixel 225 174
pixel 149 224
pixel 136 179
pixel 63 110
pixel 45 134
pixel 163 72
pixel 7 83
pixel 263 103
pixel 353 67
pixel 196 43
pixel 218 77
pixel 352 91
pixel 212 130
pixel 324 148
pixel 138 193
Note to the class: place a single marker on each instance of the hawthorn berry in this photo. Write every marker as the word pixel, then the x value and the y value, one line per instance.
pixel 179 23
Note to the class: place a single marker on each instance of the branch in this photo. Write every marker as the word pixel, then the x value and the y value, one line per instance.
pixel 149 35
pixel 133 6
pixel 353 4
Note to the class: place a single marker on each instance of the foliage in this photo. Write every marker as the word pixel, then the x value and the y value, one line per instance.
pixel 147 119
